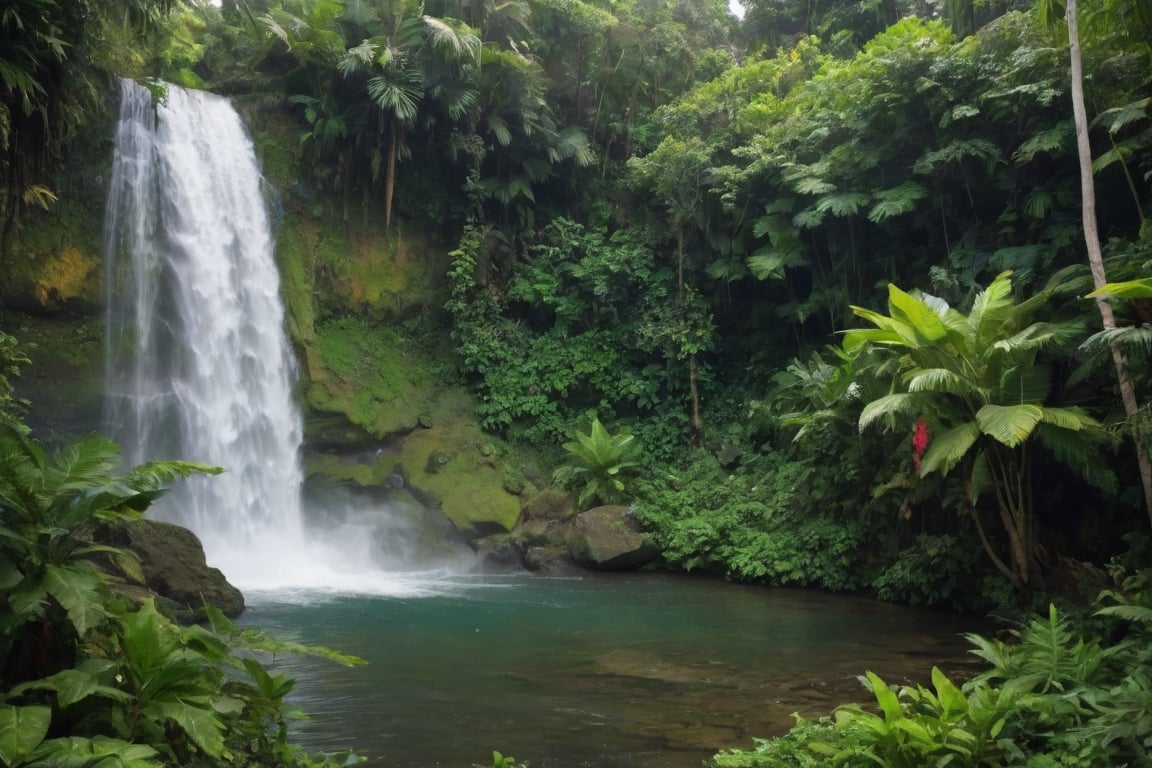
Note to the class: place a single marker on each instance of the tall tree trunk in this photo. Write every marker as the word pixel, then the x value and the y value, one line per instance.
pixel 390 173
pixel 1092 241
pixel 697 422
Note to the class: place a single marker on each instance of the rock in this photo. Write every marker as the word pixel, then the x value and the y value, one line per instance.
pixel 498 554
pixel 549 560
pixel 549 504
pixel 608 539
pixel 436 461
pixel 173 564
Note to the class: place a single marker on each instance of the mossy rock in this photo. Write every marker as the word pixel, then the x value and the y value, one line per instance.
pixel 173 565
pixel 469 487
pixel 550 504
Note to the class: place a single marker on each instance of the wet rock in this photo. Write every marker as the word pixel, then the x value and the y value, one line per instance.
pixel 609 539
pixel 498 554
pixel 549 560
pixel 173 565
pixel 436 461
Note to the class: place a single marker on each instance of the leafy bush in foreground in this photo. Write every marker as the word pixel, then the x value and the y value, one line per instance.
pixel 1056 696
pixel 87 679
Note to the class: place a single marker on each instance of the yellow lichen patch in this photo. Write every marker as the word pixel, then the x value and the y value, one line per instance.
pixel 67 275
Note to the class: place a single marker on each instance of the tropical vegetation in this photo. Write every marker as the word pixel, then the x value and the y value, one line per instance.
pixel 91 678
pixel 687 262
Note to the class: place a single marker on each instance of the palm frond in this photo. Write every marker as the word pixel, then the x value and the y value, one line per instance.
pixel 1009 424
pixel 899 403
pixel 397 95
pixel 1133 337
pixel 453 35
pixel 358 57
pixel 949 449
pixel 938 380
pixel 990 307
pixel 1079 450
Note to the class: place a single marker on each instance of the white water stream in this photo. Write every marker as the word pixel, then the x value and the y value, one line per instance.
pixel 200 367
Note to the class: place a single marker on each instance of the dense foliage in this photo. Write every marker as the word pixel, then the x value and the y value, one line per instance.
pixel 89 678
pixel 1061 693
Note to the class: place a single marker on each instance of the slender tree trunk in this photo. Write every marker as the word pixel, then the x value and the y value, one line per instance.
pixel 390 174
pixel 1092 241
pixel 697 423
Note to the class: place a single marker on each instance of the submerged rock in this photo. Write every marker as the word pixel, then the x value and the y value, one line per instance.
pixel 609 539
pixel 173 564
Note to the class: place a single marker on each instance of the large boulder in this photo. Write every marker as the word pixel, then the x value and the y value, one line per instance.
pixel 609 539
pixel 173 564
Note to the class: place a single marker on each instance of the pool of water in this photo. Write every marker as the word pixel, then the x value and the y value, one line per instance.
pixel 614 670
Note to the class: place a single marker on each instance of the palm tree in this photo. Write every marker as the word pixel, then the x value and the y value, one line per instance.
pixel 412 56
pixel 977 380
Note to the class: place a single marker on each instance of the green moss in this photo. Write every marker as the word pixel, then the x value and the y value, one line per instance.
pixel 469 485
pixel 371 375
pixel 65 382
pixel 365 474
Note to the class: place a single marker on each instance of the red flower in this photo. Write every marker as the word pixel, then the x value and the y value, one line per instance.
pixel 920 439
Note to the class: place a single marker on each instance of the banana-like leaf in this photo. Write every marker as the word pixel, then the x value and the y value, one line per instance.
pixel 1009 424
pixel 916 314
pixel 1129 289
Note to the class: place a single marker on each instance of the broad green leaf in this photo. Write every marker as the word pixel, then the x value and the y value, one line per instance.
pixel 885 698
pixel 1009 424
pixel 97 752
pixel 952 701
pixel 916 314
pixel 79 592
pixel 947 449
pixel 854 340
pixel 201 725
pixel 21 731
pixel 10 574
pixel 903 330
pixel 1130 289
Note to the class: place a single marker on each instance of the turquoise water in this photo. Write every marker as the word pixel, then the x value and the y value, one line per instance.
pixel 619 670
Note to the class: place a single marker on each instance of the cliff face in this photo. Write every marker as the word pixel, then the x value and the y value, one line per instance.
pixel 362 308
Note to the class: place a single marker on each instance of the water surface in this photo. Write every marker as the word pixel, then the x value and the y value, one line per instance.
pixel 602 671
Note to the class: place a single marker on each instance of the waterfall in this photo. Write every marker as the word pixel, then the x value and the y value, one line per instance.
pixel 200 368
pixel 199 365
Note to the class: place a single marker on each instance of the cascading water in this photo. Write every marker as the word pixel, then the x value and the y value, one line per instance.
pixel 199 365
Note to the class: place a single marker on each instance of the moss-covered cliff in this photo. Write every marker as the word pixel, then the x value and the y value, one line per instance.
pixel 362 310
